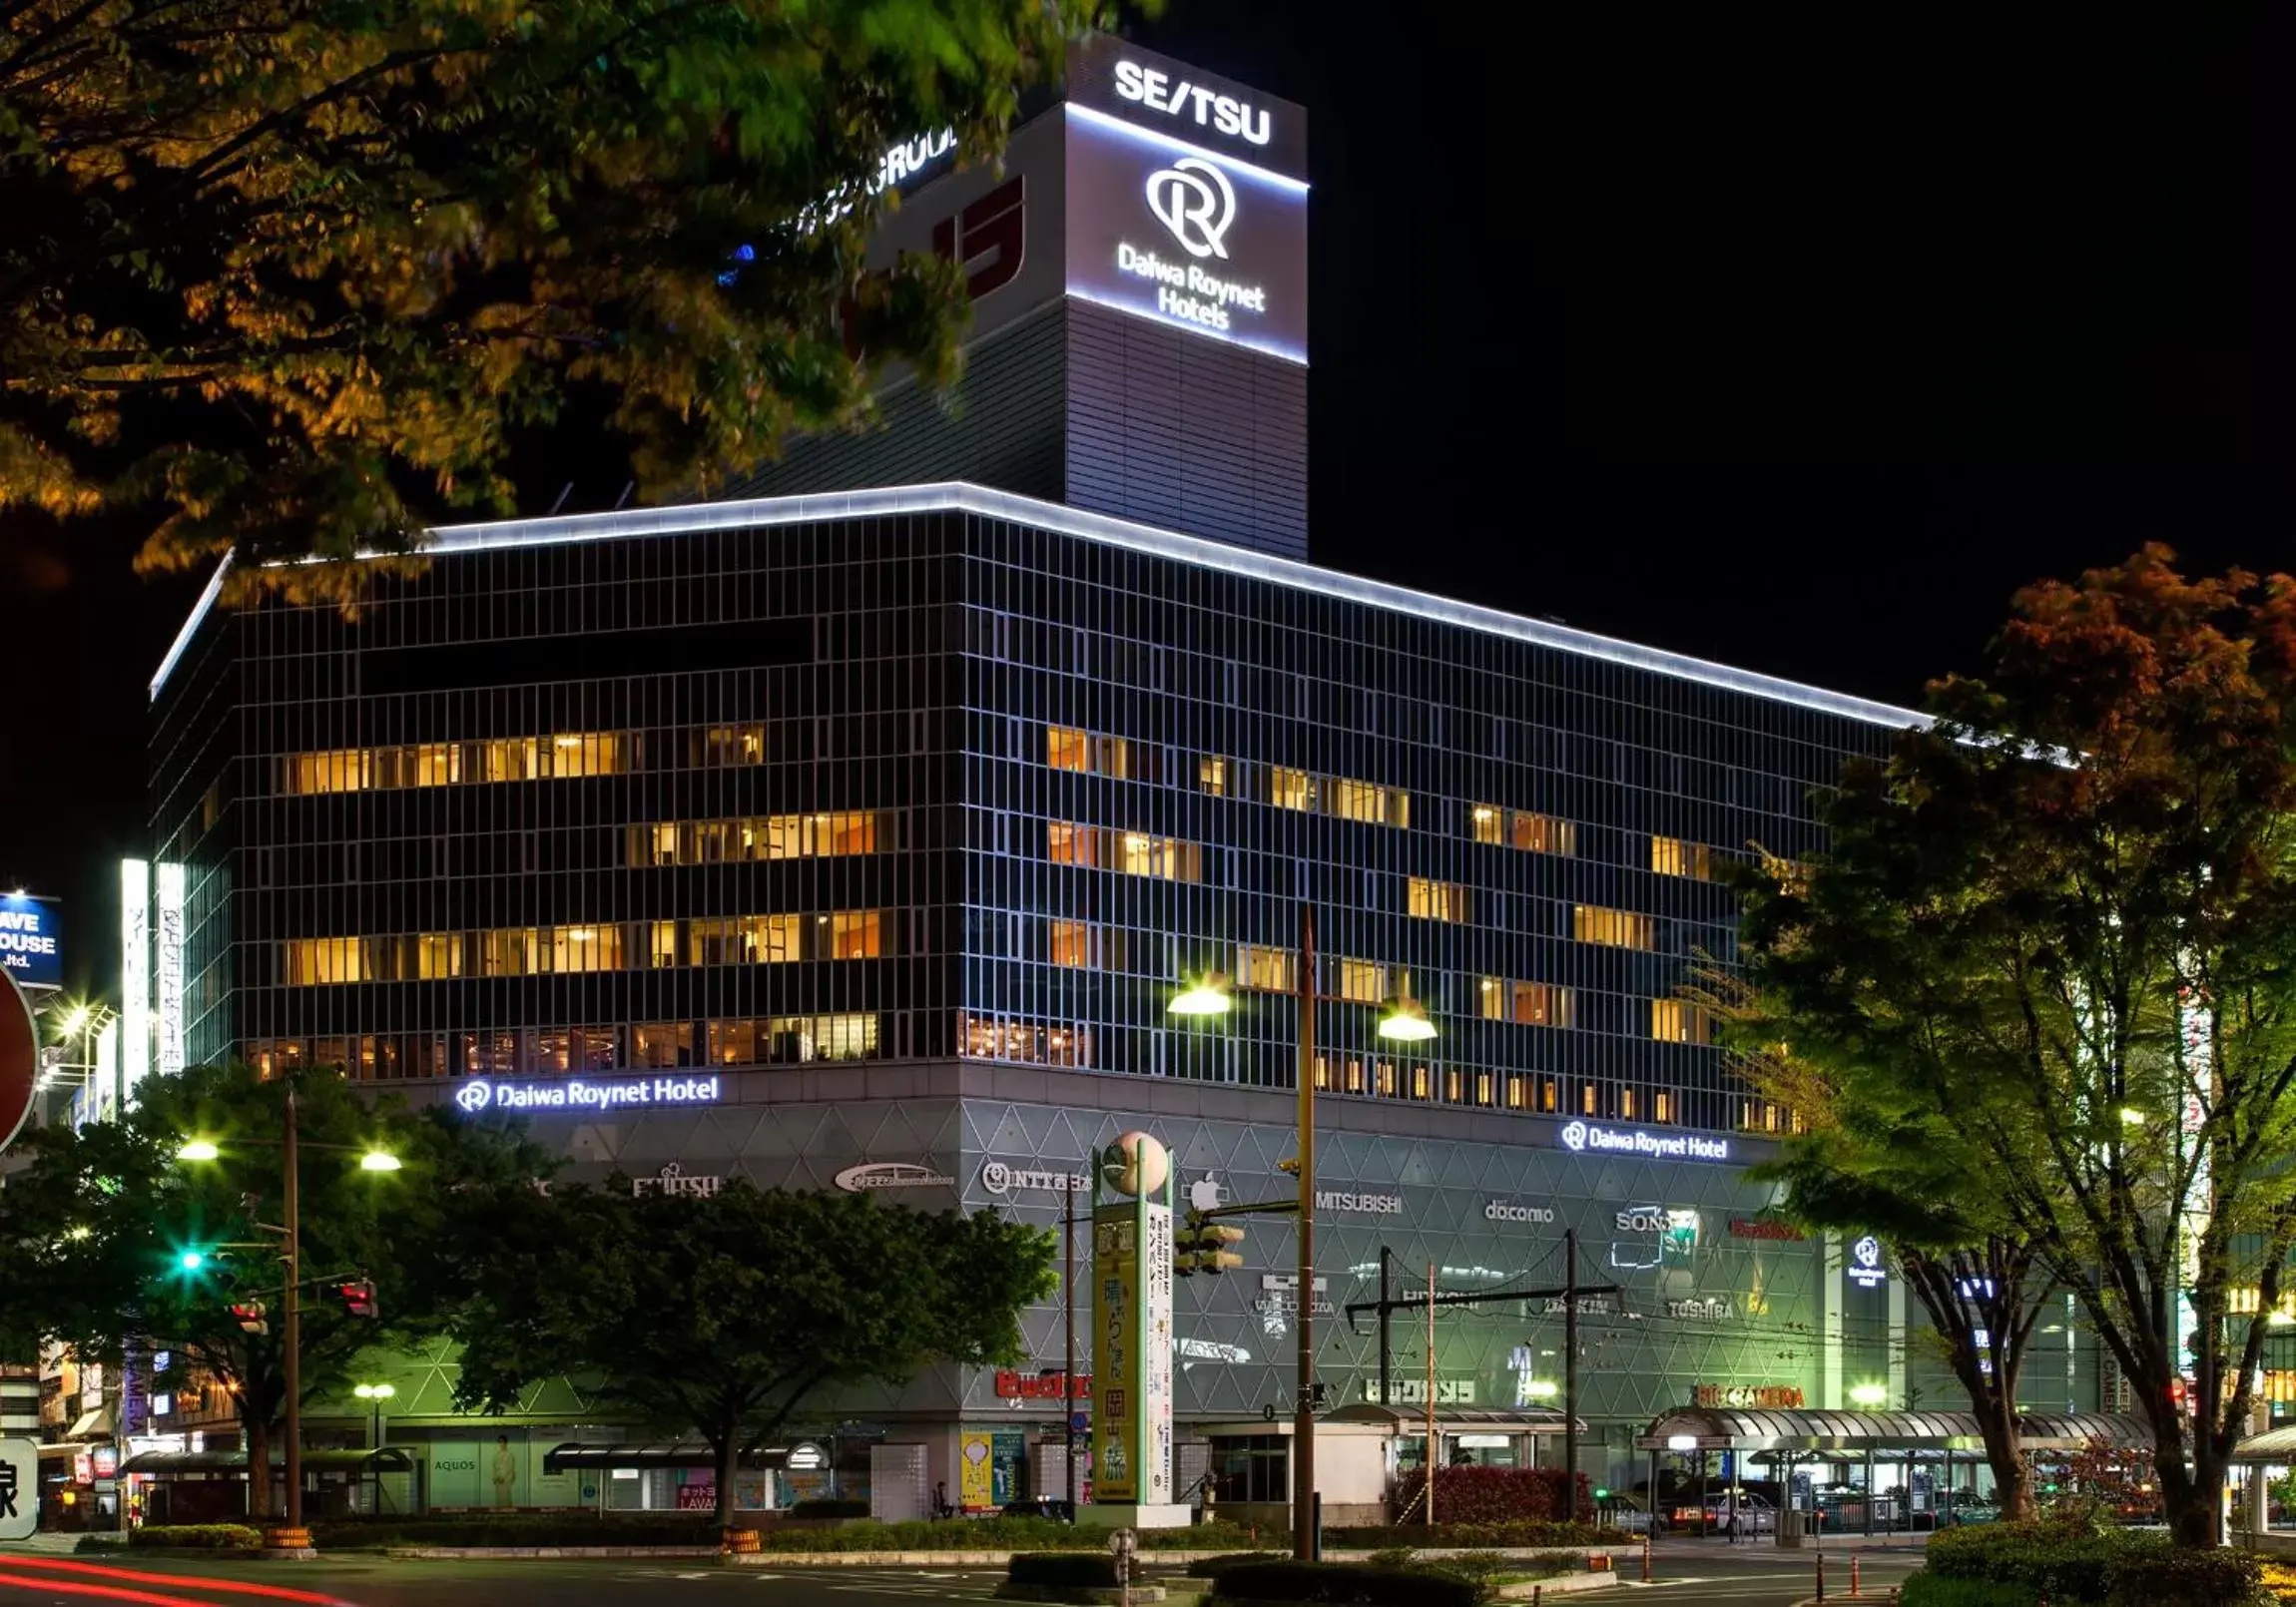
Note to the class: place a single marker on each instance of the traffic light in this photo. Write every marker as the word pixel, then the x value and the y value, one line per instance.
pixel 249 1316
pixel 1203 1247
pixel 358 1296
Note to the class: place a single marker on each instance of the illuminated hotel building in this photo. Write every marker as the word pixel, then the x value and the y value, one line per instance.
pixel 906 794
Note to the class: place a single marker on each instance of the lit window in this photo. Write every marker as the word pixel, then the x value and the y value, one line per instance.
pixel 1437 900
pixel 312 961
pixel 856 934
pixel 1065 749
pixel 1069 942
pixel 733 1043
pixel 1671 857
pixel 1626 1103
pixel 505 759
pixel 580 948
pixel 1617 928
pixel 1291 788
pixel 1678 1021
pixel 1361 800
pixel 437 954
pixel 661 944
pixel 1488 822
pixel 723 747
pixel 1521 829
pixel 1069 749
pixel 661 1043
pixel 822 1037
pixel 1662 1107
pixel 655 845
pixel 1211 776
pixel 1267 970
pixel 1068 844
pixel 1363 982
pixel 341 771
pixel 1537 1004
pixel 586 752
pixel 1483 1088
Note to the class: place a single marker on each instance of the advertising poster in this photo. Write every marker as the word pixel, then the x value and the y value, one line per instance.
pixel 1155 1480
pixel 1009 1462
pixel 975 1473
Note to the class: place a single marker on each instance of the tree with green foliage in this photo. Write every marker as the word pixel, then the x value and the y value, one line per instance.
pixel 2046 967
pixel 303 275
pixel 1871 1162
pixel 113 1245
pixel 728 1314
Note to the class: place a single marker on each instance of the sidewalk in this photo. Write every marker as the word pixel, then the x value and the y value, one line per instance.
pixel 51 1544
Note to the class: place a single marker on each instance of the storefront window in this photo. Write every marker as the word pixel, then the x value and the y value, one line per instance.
pixel 1257 1468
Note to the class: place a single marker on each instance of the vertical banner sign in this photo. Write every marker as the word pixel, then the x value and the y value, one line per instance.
pixel 976 1474
pixel 1132 1326
pixel 171 969
pixel 135 974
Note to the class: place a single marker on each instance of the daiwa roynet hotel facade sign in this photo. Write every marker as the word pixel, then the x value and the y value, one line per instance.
pixel 1187 197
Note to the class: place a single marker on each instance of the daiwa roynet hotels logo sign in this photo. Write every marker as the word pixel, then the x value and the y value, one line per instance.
pixel 1581 1138
pixel 583 1096
pixel 1187 198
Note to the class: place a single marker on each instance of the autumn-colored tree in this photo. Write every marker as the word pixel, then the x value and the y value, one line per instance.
pixel 300 272
pixel 2048 958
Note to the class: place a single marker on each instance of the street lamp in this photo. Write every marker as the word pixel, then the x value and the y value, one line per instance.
pixel 375 1395
pixel 1403 1021
pixel 372 1159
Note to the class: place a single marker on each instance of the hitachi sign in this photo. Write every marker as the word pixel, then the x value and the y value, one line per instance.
pixel 1193 103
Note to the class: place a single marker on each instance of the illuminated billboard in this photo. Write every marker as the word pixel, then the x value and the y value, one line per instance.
pixel 31 941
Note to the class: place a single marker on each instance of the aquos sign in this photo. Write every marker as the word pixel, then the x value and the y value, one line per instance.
pixel 1187 198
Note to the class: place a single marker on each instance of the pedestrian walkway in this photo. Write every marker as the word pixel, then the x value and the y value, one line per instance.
pixel 54 1544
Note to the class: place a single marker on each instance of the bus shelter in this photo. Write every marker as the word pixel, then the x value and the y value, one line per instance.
pixel 1940 1443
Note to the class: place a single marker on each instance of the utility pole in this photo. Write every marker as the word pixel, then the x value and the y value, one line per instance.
pixel 1570 1381
pixel 1387 1386
pixel 1434 1442
pixel 290 1325
pixel 1304 1416
pixel 1068 1371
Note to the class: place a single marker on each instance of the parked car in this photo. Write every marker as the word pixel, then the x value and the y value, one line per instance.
pixel 1042 1506
pixel 1750 1514
pixel 1623 1515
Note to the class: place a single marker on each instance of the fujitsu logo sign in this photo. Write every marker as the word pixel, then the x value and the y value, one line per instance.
pixel 1198 103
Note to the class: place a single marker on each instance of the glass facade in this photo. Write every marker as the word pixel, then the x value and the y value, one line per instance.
pixel 993 788
pixel 945 780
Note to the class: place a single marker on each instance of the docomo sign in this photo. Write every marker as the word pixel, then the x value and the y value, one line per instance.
pixel 1509 1211
pixel 585 1094
pixel 1581 1137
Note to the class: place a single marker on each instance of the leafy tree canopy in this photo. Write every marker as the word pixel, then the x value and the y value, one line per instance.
pixel 729 1313
pixel 300 272
pixel 2044 978
pixel 95 1230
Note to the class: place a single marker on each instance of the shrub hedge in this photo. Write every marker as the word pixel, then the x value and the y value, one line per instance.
pixel 2020 1563
pixel 679 1529
pixel 1495 1494
pixel 1213 1567
pixel 1473 1536
pixel 830 1509
pixel 1087 1570
pixel 1344 1584
pixel 1935 1590
pixel 195 1537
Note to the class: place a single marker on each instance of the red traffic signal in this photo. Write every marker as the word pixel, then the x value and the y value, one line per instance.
pixel 249 1316
pixel 358 1296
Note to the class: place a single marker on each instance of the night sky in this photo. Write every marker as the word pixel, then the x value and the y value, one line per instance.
pixel 1789 337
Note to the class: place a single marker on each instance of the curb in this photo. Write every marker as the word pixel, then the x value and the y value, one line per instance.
pixel 1560 1584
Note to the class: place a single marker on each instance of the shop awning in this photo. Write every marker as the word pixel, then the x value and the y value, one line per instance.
pixel 91 1426
pixel 1489 1420
pixel 2273 1445
pixel 1832 1433
pixel 682 1453
pixel 389 1460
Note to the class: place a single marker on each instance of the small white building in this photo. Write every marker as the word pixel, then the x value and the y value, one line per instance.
pixel 1361 1452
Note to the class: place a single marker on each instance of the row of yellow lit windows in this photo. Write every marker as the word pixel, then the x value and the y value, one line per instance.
pixel 767 836
pixel 1067 748
pixel 1435 900
pixel 507 758
pixel 611 946
pixel 1539 1004
pixel 1614 928
pixel 500 759
pixel 1507 1090
pixel 1134 852
pixel 652 1045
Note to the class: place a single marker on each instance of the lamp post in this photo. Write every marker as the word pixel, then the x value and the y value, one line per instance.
pixel 1401 1020
pixel 372 1159
pixel 374 1395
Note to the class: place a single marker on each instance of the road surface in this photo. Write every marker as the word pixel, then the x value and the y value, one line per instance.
pixel 1690 1575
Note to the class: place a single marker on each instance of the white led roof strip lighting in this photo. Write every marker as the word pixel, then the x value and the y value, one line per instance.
pixel 960 497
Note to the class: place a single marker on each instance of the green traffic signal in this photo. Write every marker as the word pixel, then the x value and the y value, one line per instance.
pixel 191 1261
pixel 1602 1493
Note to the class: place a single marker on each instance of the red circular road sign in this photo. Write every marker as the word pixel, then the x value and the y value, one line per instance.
pixel 19 1060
